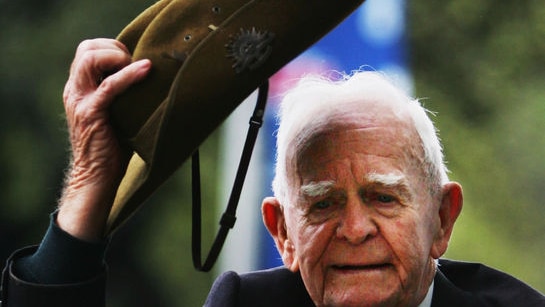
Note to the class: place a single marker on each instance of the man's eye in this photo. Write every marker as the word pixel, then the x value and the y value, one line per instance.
pixel 385 198
pixel 321 211
pixel 323 204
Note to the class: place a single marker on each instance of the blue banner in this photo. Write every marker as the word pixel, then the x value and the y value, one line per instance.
pixel 372 38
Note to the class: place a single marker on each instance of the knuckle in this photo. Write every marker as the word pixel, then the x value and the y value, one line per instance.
pixel 106 87
pixel 82 66
pixel 85 46
pixel 86 58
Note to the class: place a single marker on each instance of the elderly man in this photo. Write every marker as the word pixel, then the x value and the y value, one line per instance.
pixel 362 208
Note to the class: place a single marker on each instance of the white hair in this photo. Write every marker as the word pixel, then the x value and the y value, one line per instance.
pixel 308 107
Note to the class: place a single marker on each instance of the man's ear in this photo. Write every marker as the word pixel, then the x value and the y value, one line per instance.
pixel 449 210
pixel 274 220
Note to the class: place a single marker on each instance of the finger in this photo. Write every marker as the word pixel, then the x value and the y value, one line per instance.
pixel 120 81
pixel 97 44
pixel 91 66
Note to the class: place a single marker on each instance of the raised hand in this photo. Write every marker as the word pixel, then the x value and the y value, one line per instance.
pixel 101 70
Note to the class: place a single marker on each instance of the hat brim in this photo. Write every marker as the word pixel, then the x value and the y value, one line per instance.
pixel 201 74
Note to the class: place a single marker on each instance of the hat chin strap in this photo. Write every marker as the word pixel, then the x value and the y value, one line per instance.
pixel 229 216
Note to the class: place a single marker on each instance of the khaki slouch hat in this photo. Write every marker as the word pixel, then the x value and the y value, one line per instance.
pixel 207 56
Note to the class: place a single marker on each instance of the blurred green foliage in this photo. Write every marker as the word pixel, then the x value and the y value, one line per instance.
pixel 477 63
pixel 481 65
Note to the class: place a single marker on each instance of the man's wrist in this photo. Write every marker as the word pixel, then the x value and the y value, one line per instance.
pixel 83 209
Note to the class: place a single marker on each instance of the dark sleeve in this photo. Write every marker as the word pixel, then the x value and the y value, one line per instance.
pixel 61 271
pixel 224 291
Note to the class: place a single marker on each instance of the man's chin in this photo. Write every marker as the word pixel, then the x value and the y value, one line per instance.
pixel 361 300
pixel 369 287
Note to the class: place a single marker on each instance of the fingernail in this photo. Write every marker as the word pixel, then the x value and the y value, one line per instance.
pixel 144 63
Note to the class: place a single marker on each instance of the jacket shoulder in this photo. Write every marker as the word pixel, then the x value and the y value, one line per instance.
pixel 487 286
pixel 273 287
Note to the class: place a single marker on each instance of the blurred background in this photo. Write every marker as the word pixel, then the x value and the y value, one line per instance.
pixel 479 65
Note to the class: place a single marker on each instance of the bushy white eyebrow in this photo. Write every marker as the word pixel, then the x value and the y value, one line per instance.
pixel 386 179
pixel 316 189
pixel 321 188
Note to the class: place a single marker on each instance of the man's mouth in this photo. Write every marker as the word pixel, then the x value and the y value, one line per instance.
pixel 369 267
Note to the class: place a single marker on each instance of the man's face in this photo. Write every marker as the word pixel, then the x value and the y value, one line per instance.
pixel 362 223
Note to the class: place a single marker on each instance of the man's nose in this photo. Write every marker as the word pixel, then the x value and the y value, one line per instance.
pixel 356 223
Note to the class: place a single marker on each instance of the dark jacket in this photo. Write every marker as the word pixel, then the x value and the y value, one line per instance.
pixel 456 284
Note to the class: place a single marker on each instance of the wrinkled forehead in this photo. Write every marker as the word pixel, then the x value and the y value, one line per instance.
pixel 388 119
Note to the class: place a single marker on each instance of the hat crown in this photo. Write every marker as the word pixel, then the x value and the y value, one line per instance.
pixel 207 57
